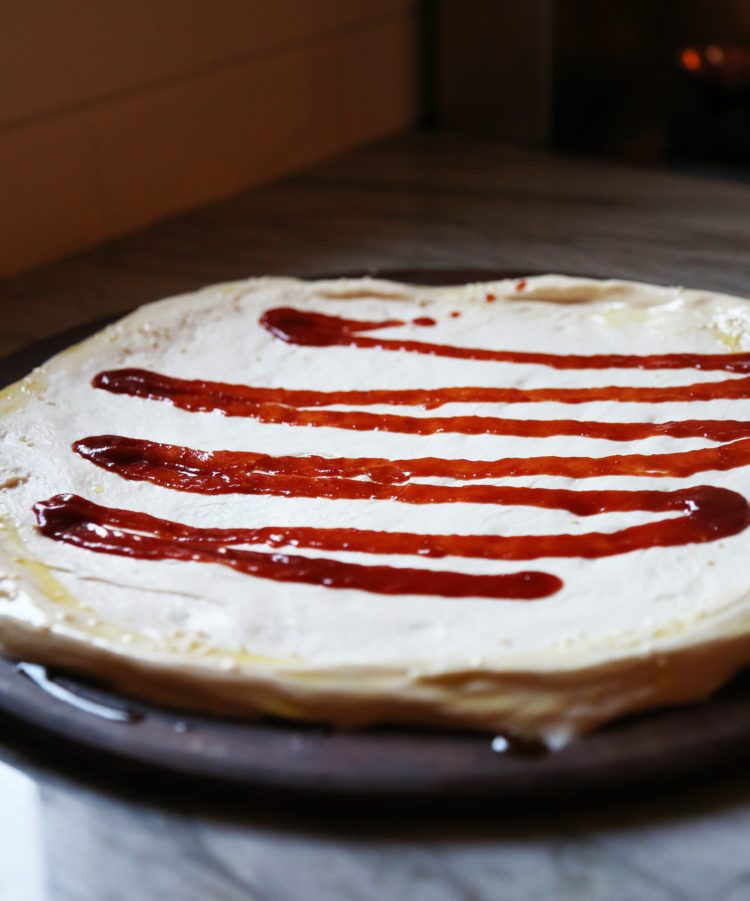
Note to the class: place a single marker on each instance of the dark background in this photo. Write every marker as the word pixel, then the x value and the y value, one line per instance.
pixel 592 78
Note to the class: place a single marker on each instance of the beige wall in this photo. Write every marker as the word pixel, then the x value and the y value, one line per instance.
pixel 114 113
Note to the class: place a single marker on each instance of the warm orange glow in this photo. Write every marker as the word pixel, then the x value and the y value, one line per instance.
pixel 715 55
pixel 691 59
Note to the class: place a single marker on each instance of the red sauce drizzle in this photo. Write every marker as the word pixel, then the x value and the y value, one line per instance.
pixel 320 330
pixel 706 513
pixel 281 405
pixel 76 521
pixel 133 458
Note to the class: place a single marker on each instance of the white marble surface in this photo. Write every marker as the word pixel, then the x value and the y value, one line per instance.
pixel 414 202
pixel 65 841
pixel 22 864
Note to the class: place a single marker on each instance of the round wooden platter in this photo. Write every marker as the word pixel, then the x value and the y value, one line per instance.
pixel 393 762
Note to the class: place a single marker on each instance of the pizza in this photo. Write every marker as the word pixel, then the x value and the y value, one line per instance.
pixel 518 506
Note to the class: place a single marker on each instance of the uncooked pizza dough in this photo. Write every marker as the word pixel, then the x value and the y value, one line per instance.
pixel 517 506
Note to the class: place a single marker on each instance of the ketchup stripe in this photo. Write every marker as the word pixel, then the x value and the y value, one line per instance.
pixel 242 400
pixel 81 523
pixel 709 513
pixel 213 396
pixel 319 330
pixel 224 472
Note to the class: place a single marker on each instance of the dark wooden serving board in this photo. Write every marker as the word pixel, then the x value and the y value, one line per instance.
pixel 385 762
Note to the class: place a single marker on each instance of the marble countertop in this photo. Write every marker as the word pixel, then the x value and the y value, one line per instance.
pixel 414 202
